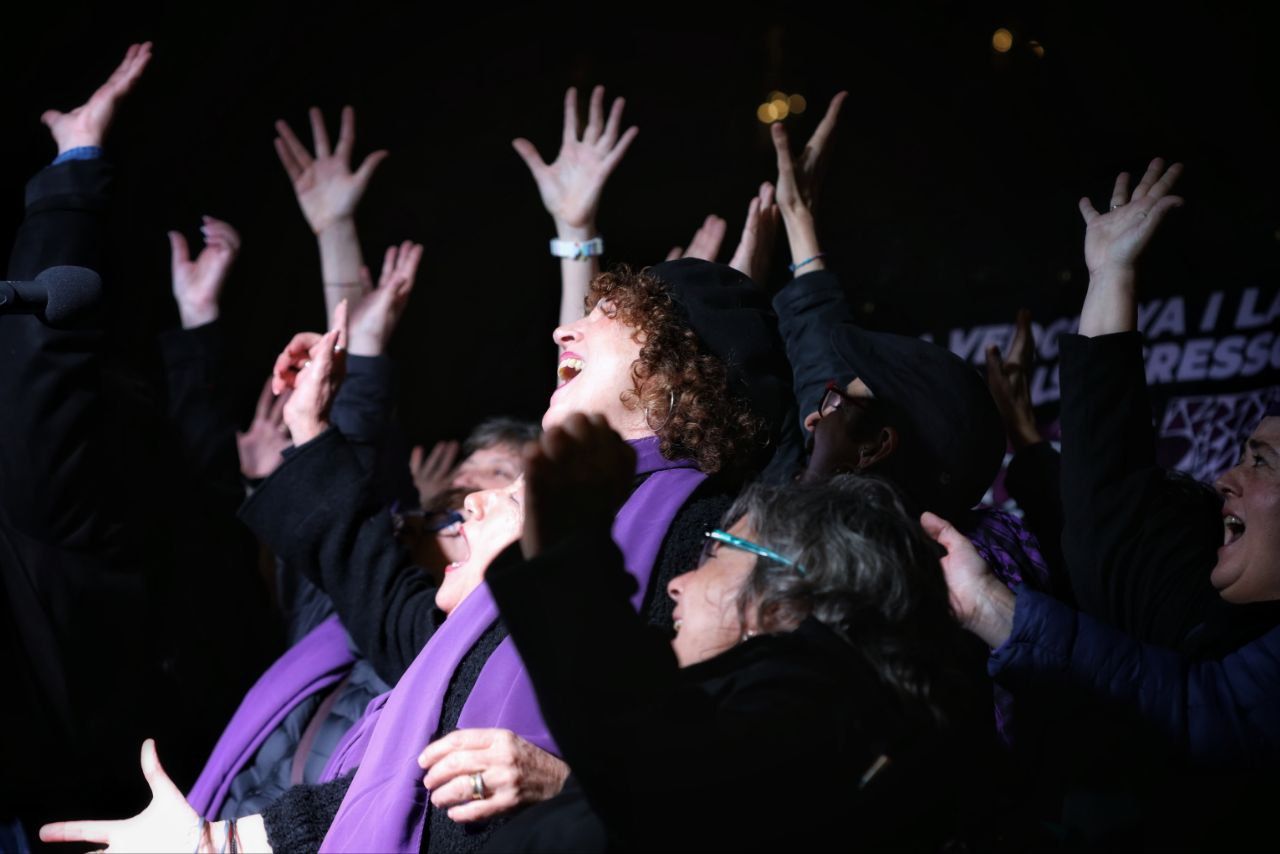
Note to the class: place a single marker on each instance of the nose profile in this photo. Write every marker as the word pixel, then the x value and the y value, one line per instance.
pixel 676 585
pixel 1228 482
pixel 566 335
pixel 475 503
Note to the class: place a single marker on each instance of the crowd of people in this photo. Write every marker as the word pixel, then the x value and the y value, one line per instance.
pixel 741 559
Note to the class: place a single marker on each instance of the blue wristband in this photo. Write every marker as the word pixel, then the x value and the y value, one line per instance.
pixel 794 267
pixel 82 152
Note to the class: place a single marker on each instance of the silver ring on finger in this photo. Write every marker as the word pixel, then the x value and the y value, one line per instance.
pixel 477 787
pixel 1115 205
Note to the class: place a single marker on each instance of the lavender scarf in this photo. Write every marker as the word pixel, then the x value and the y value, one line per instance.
pixel 385 807
pixel 320 659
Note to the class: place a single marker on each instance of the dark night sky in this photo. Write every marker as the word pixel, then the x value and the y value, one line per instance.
pixel 951 199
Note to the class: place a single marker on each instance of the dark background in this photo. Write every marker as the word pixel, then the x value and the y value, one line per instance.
pixel 951 199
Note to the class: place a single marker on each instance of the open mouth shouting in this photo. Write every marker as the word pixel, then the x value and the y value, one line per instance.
pixel 1232 529
pixel 466 549
pixel 571 364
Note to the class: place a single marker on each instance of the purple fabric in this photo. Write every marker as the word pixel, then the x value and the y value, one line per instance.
pixel 317 661
pixel 386 804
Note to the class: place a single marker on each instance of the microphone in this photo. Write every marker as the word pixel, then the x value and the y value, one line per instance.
pixel 57 294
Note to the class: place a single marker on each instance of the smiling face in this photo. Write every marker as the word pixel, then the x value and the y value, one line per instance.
pixel 707 618
pixel 494 518
pixel 597 356
pixel 1248 567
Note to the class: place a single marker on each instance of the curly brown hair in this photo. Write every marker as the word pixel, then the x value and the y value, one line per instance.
pixel 683 391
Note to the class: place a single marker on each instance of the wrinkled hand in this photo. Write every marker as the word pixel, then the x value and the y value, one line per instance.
pixel 375 315
pixel 433 473
pixel 262 444
pixel 88 123
pixel 759 233
pixel 970 582
pixel 576 477
pixel 1008 380
pixel 1113 241
pixel 197 284
pixel 313 366
pixel 167 824
pixel 571 185
pixel 326 188
pixel 800 179
pixel 705 243
pixel 513 772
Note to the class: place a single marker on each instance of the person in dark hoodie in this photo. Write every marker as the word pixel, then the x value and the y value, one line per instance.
pixel 878 403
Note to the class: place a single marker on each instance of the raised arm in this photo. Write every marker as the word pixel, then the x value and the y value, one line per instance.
pixel 1115 240
pixel 571 186
pixel 814 302
pixel 328 193
pixel 1138 551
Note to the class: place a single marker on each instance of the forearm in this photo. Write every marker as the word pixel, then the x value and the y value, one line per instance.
pixel 802 236
pixel 316 511
pixel 1110 304
pixel 340 262
pixel 575 274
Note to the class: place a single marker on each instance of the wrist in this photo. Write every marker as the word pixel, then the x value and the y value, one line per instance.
pixel 1024 436
pixel 306 429
pixel 992 615
pixel 576 233
pixel 340 227
pixel 191 315
pixel 359 344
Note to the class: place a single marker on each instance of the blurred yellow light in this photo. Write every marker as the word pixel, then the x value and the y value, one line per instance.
pixel 1037 49
pixel 765 113
pixel 780 107
pixel 775 95
pixel 1002 40
pixel 797 103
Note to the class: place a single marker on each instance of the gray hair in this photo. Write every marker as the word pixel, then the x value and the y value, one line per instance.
pixel 500 430
pixel 870 574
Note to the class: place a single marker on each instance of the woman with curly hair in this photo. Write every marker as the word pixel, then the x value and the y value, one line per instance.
pixel 683 362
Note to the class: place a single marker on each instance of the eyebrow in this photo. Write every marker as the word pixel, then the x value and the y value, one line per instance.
pixel 1261 447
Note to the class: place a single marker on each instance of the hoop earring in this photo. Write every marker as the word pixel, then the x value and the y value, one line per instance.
pixel 671 407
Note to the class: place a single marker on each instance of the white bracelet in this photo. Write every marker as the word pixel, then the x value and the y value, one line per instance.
pixel 575 250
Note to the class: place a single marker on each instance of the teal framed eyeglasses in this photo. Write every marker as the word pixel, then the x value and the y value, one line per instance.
pixel 718 536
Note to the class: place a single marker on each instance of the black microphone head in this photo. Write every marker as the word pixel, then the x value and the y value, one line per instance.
pixel 70 291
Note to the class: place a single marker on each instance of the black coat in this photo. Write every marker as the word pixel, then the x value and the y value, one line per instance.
pixel 766 746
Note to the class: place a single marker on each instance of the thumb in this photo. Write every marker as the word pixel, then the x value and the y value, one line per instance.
pixel 936 527
pixel 995 368
pixel 48 117
pixel 370 163
pixel 178 250
pixel 529 154
pixel 157 779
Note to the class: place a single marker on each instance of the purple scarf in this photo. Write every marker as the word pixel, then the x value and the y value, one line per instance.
pixel 320 659
pixel 385 807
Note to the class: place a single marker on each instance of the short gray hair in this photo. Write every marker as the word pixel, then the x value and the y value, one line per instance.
pixel 500 430
pixel 870 574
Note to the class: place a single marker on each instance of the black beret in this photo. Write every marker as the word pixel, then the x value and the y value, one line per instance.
pixel 951 424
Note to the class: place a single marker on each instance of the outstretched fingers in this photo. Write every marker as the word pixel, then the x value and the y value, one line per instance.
pixel 319 134
pixel 570 115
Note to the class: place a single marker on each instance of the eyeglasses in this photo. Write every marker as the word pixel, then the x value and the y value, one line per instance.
pixel 719 536
pixel 834 397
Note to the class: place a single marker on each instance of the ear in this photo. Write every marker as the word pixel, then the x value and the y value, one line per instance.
pixel 811 421
pixel 878 448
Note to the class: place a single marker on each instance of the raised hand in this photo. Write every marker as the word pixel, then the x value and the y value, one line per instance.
pixel 1113 241
pixel 705 243
pixel 262 444
pixel 576 477
pixel 800 179
pixel 87 124
pixel 755 247
pixel 167 824
pixel 571 185
pixel 197 284
pixel 327 189
pixel 375 315
pixel 313 366
pixel 1008 380
pixel 433 472
pixel 480 773
pixel 980 602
